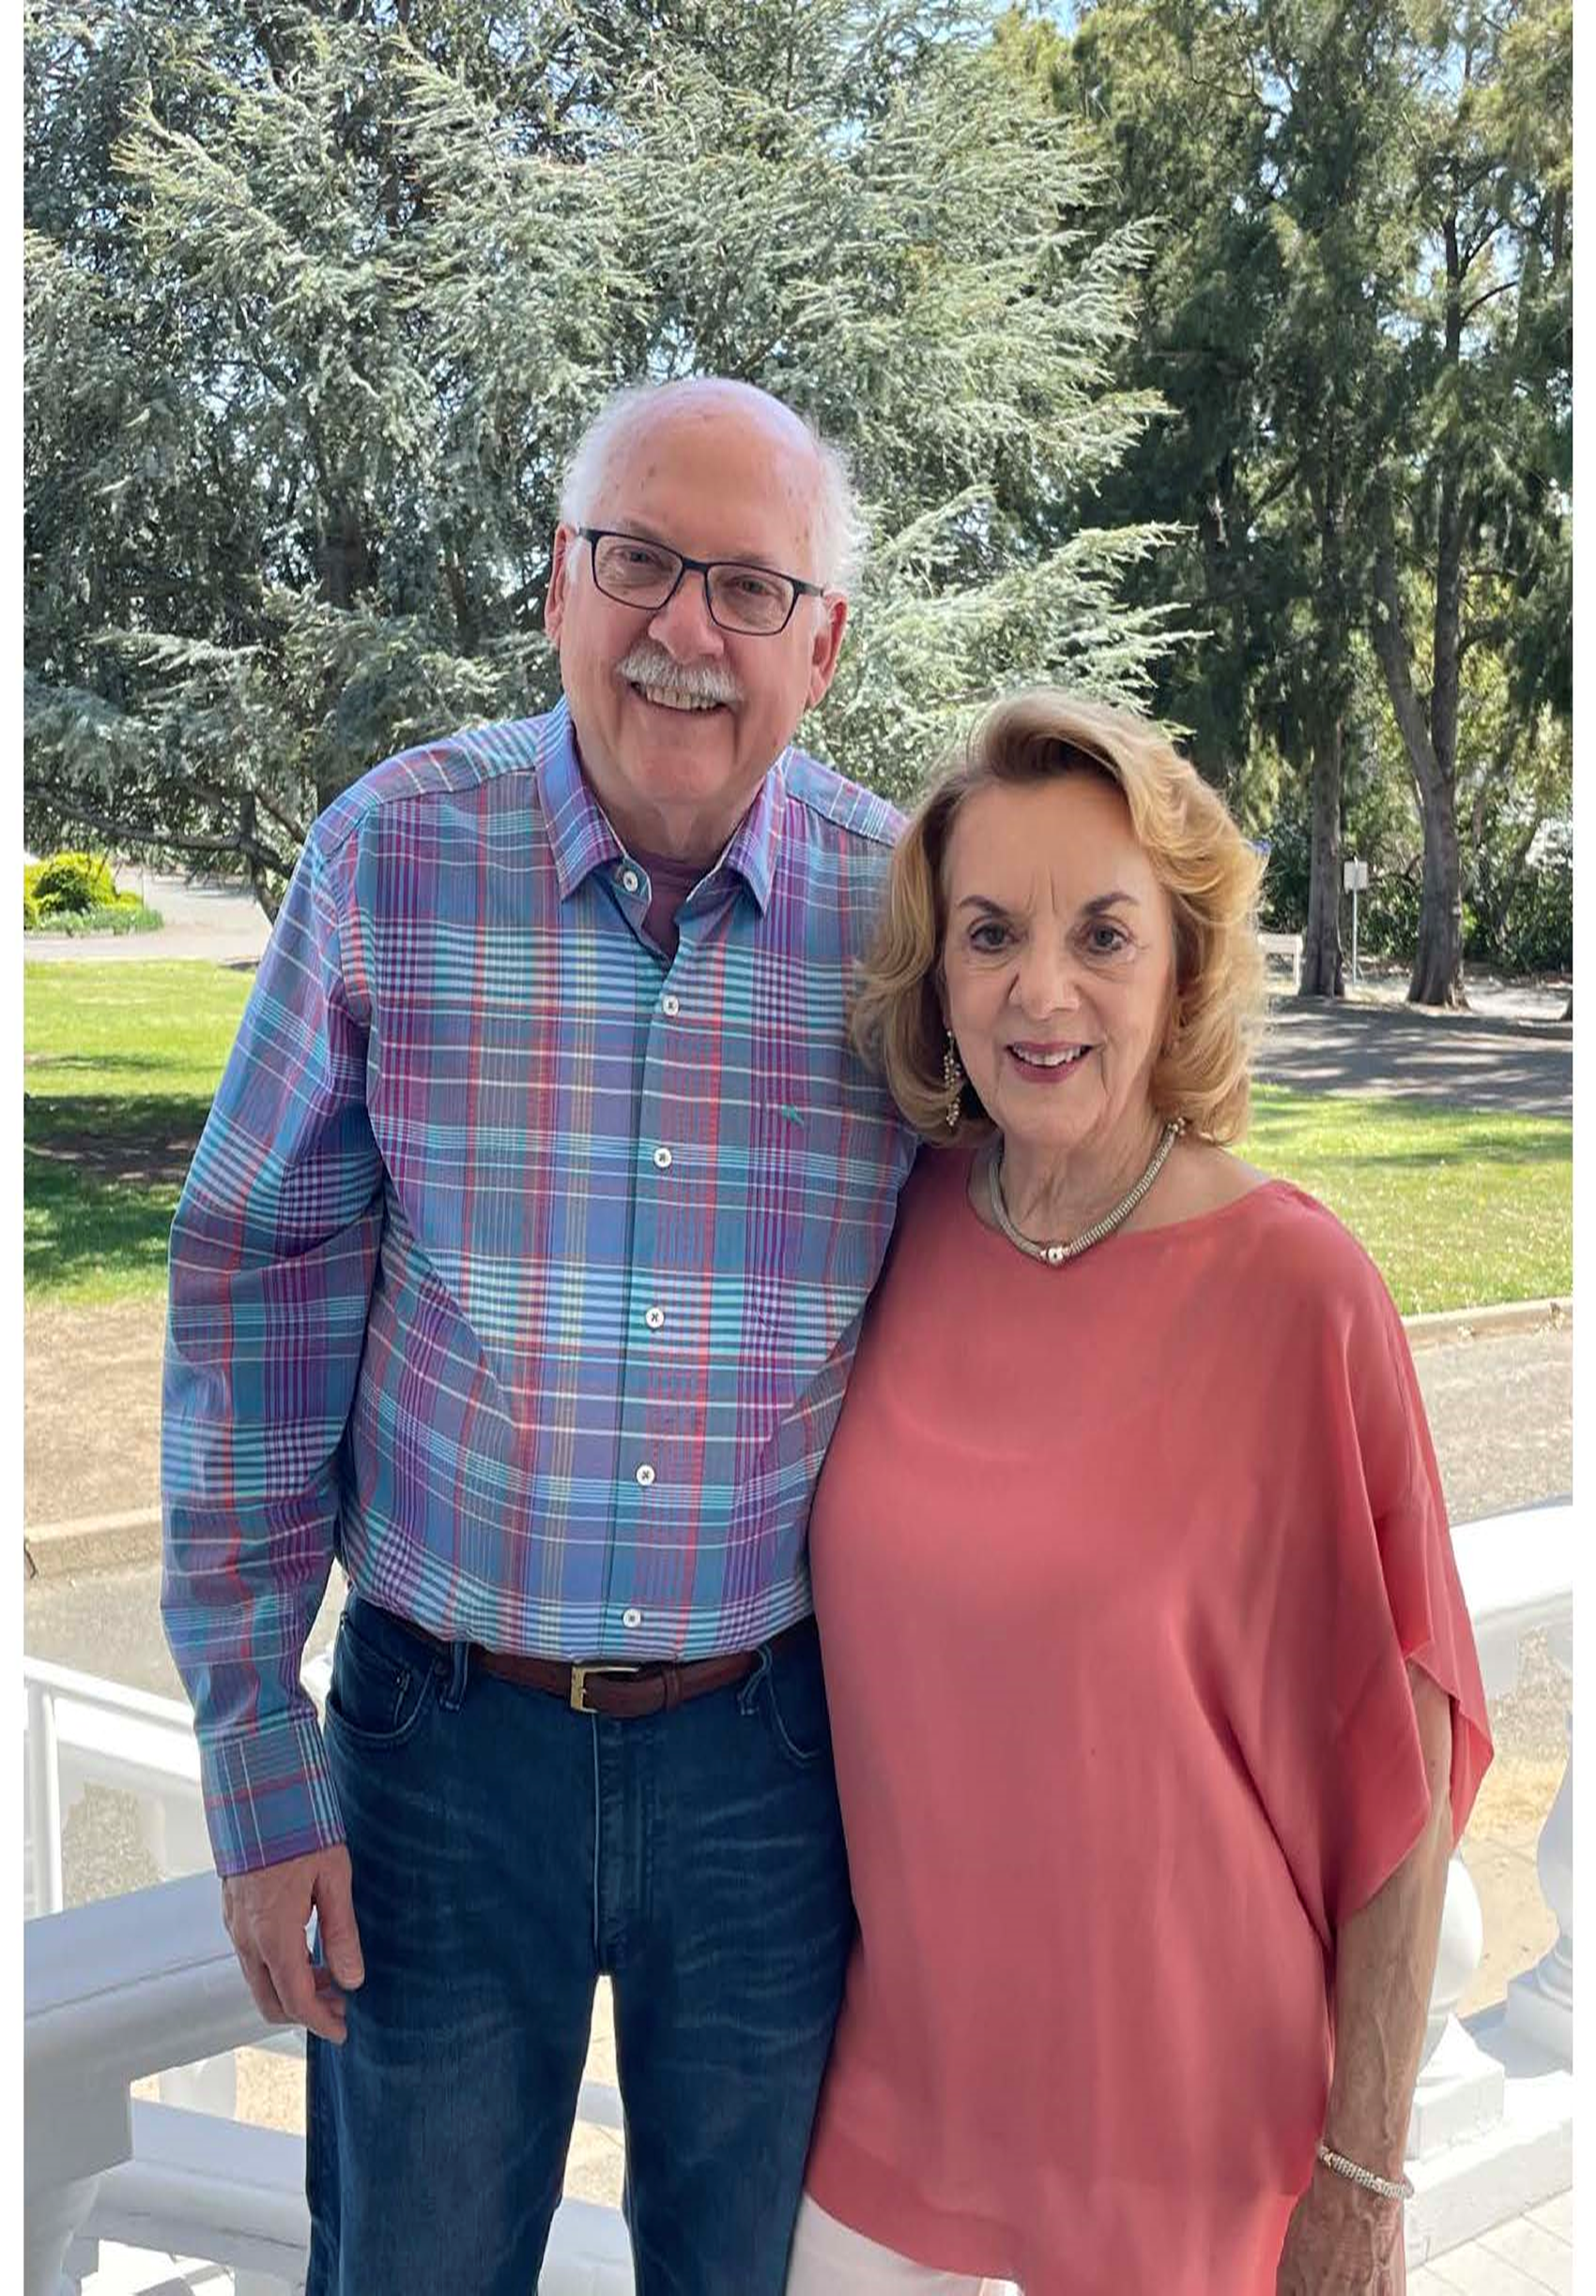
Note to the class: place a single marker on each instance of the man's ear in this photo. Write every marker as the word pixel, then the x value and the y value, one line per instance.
pixel 829 626
pixel 565 540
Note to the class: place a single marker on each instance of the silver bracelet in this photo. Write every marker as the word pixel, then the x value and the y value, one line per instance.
pixel 1400 2190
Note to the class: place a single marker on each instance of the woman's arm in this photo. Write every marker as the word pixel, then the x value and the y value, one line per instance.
pixel 1342 2239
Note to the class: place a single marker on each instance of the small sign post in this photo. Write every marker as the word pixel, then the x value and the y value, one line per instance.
pixel 1355 875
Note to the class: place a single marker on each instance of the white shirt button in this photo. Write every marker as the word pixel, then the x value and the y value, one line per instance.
pixel 645 1474
pixel 655 1319
pixel 662 1158
pixel 631 1618
pixel 670 1007
pixel 631 880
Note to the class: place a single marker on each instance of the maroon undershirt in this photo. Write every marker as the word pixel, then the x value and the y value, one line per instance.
pixel 670 882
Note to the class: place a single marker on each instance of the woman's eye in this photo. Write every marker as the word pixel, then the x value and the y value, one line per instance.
pixel 1107 940
pixel 988 936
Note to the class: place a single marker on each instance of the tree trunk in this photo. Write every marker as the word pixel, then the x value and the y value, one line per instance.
pixel 1437 961
pixel 1321 942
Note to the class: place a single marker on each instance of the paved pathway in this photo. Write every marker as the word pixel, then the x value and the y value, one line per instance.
pixel 1459 1060
pixel 200 920
pixel 1533 2255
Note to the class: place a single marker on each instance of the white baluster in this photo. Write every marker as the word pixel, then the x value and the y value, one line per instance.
pixel 44 1800
pixel 1541 2002
pixel 1461 2089
pixel 51 2218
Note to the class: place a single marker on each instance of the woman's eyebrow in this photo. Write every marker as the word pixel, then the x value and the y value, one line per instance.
pixel 1088 908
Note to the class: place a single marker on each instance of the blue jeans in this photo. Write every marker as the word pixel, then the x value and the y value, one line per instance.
pixel 506 1852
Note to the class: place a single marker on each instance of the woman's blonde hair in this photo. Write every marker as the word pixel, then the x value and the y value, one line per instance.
pixel 1205 866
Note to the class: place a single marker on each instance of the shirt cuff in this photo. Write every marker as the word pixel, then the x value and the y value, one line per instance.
pixel 268 1793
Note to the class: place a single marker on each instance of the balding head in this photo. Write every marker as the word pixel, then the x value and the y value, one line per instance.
pixel 802 462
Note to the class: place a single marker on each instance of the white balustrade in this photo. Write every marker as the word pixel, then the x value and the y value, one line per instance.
pixel 148 1984
pixel 1541 2002
pixel 1490 2132
pixel 1518 1573
pixel 117 1991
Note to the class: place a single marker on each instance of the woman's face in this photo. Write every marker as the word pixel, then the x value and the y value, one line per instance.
pixel 1058 964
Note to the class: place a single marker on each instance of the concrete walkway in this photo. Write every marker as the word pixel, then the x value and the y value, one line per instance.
pixel 1457 1059
pixel 1532 2255
pixel 200 919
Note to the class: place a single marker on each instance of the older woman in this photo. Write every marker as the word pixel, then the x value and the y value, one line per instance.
pixel 1156 1709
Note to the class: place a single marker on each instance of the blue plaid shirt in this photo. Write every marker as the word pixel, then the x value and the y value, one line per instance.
pixel 517 1267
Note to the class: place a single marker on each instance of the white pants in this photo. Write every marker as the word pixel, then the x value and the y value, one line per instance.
pixel 831 2259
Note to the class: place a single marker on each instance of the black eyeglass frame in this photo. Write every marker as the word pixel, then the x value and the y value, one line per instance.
pixel 593 535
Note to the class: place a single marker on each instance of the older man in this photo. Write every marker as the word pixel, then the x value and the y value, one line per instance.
pixel 520 1267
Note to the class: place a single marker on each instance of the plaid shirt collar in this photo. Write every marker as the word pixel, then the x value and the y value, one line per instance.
pixel 582 840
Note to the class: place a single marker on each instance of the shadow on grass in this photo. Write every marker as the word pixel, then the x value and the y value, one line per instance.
pixel 112 1139
pixel 1507 1155
pixel 43 1066
pixel 77 1228
pixel 1402 1131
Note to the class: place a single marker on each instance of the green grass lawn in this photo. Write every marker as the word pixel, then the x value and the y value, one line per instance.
pixel 1457 1210
pixel 119 1065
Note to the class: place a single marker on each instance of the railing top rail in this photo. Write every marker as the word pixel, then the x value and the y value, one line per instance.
pixel 1512 1561
pixel 109 1697
pixel 1517 1575
pixel 134 1984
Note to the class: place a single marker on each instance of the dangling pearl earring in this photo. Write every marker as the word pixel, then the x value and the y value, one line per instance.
pixel 952 1082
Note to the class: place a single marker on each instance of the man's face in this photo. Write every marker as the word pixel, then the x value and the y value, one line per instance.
pixel 715 478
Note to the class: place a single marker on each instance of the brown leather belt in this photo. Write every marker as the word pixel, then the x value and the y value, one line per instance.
pixel 621 1692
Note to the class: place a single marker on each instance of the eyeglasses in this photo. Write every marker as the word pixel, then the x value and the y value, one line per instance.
pixel 751 600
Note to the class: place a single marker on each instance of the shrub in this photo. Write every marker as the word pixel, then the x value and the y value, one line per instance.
pixel 30 912
pixel 72 884
pixel 131 917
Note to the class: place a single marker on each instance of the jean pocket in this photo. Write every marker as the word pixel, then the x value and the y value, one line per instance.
pixel 377 1697
pixel 792 1696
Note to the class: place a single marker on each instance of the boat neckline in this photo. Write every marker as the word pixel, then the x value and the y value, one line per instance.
pixel 1167 1231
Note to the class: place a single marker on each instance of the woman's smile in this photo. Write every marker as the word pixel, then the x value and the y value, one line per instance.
pixel 1047 1064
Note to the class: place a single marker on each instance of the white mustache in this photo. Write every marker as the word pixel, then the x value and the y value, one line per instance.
pixel 650 665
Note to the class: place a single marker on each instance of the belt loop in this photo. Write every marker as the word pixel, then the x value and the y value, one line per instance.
pixel 750 1689
pixel 459 1673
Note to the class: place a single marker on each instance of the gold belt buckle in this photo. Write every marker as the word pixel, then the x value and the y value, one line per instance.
pixel 579 1678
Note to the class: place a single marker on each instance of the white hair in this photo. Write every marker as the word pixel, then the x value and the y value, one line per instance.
pixel 840 522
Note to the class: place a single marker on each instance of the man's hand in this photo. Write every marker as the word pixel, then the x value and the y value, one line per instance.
pixel 1342 2242
pixel 265 1913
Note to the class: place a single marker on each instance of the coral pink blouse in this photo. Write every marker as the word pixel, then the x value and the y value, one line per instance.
pixel 1117 1566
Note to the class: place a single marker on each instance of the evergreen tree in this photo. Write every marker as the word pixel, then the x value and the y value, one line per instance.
pixel 1357 311
pixel 1473 496
pixel 318 301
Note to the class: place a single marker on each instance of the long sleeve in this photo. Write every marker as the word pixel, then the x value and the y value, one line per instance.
pixel 273 1253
